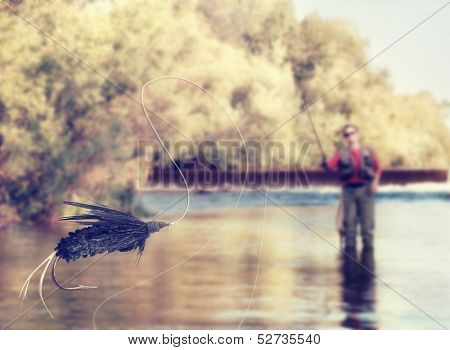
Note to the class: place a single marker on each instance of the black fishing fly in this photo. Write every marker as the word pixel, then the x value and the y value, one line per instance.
pixel 106 230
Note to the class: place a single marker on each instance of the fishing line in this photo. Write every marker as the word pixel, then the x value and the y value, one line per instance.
pixel 162 142
pixel 49 259
pixel 75 275
pixel 172 267
pixel 316 135
pixel 250 303
pixel 72 277
pixel 164 146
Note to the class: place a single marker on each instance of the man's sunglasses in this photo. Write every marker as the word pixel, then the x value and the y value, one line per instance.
pixel 350 133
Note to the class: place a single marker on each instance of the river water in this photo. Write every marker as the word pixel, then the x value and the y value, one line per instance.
pixel 250 267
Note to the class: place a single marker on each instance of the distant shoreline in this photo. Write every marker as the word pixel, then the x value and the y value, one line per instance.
pixel 227 180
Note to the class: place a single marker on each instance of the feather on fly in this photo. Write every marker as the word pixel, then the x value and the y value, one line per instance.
pixel 105 230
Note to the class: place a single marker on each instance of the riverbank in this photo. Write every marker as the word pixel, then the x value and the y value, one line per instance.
pixel 283 178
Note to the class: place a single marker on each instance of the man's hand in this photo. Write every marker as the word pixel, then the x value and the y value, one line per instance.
pixel 374 187
pixel 374 184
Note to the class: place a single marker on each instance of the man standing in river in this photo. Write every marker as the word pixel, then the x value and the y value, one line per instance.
pixel 360 171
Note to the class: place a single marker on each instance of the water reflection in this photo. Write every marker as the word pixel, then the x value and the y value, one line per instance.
pixel 302 282
pixel 358 288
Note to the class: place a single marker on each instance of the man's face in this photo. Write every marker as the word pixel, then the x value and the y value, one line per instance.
pixel 351 135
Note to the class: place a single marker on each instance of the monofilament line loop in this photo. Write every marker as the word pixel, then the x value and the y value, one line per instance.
pixel 219 229
pixel 165 148
pixel 161 141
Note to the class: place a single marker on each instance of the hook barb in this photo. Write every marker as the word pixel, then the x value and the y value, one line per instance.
pixel 80 286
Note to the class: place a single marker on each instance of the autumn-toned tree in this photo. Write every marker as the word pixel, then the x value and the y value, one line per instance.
pixel 71 120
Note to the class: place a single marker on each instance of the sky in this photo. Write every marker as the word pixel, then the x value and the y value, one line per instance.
pixel 420 61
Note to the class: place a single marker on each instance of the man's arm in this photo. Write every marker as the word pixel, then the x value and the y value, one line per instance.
pixel 332 164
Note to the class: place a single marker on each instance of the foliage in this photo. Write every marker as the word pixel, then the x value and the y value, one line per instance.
pixel 67 131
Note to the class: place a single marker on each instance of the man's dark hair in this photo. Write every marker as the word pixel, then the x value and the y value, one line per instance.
pixel 346 126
